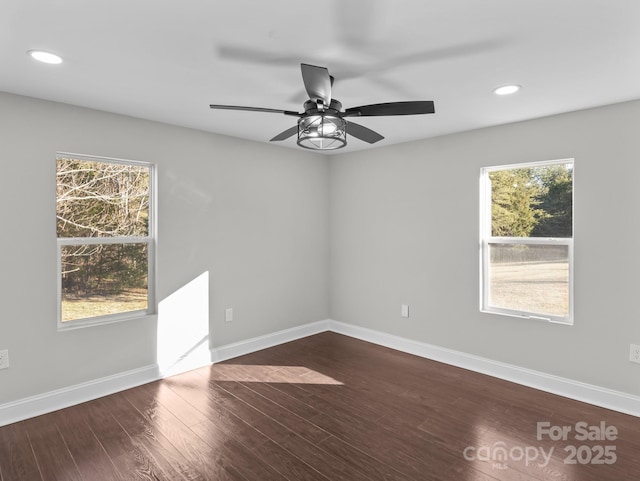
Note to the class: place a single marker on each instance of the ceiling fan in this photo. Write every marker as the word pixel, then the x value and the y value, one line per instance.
pixel 323 124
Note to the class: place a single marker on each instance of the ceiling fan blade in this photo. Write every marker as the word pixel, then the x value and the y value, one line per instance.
pixel 317 82
pixel 254 109
pixel 363 133
pixel 392 108
pixel 286 134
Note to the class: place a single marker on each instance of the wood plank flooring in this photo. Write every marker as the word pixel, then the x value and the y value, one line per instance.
pixel 326 407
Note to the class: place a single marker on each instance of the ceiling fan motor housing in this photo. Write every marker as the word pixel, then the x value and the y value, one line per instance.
pixel 312 107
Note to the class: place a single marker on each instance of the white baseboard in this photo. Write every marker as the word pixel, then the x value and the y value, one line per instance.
pixel 188 363
pixel 61 398
pixel 580 391
pixel 241 348
pixel 69 396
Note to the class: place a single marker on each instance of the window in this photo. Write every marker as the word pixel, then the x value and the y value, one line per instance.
pixel 105 236
pixel 526 234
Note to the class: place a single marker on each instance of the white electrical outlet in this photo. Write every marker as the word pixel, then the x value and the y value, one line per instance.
pixel 228 315
pixel 404 310
pixel 4 359
pixel 634 353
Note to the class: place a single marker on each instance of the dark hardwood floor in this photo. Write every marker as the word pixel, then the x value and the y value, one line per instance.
pixel 326 407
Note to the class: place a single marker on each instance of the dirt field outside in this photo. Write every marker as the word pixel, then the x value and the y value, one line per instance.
pixel 540 287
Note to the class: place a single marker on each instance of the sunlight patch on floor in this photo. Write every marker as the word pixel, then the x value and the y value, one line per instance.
pixel 269 374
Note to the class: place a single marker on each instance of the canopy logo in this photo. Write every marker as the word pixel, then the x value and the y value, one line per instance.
pixel 499 454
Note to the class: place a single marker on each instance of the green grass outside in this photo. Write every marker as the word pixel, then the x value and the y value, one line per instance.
pixel 83 307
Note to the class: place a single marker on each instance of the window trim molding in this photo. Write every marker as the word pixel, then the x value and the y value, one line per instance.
pixel 486 239
pixel 150 240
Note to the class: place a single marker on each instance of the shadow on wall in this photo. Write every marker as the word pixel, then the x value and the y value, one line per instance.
pixel 183 328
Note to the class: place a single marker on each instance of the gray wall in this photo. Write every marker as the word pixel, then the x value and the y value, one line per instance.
pixel 404 230
pixel 254 217
pixel 288 237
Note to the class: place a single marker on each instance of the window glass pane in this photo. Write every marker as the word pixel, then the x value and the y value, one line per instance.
pixel 103 279
pixel 532 202
pixel 101 199
pixel 529 278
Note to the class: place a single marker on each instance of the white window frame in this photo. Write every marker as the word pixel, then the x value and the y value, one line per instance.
pixel 486 238
pixel 150 240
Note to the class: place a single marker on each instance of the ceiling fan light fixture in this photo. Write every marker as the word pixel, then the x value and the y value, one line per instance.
pixel 322 132
pixel 506 89
pixel 45 57
pixel 322 126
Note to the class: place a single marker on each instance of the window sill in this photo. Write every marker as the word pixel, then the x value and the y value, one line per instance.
pixel 533 317
pixel 103 320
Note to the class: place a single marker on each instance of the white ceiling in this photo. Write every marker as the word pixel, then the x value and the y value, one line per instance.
pixel 167 60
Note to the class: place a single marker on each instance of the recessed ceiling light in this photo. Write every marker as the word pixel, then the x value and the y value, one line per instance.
pixel 506 90
pixel 46 57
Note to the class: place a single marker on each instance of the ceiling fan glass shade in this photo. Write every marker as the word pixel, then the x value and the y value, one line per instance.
pixel 322 132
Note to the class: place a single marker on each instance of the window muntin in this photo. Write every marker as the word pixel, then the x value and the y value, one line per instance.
pixel 527 240
pixel 104 210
